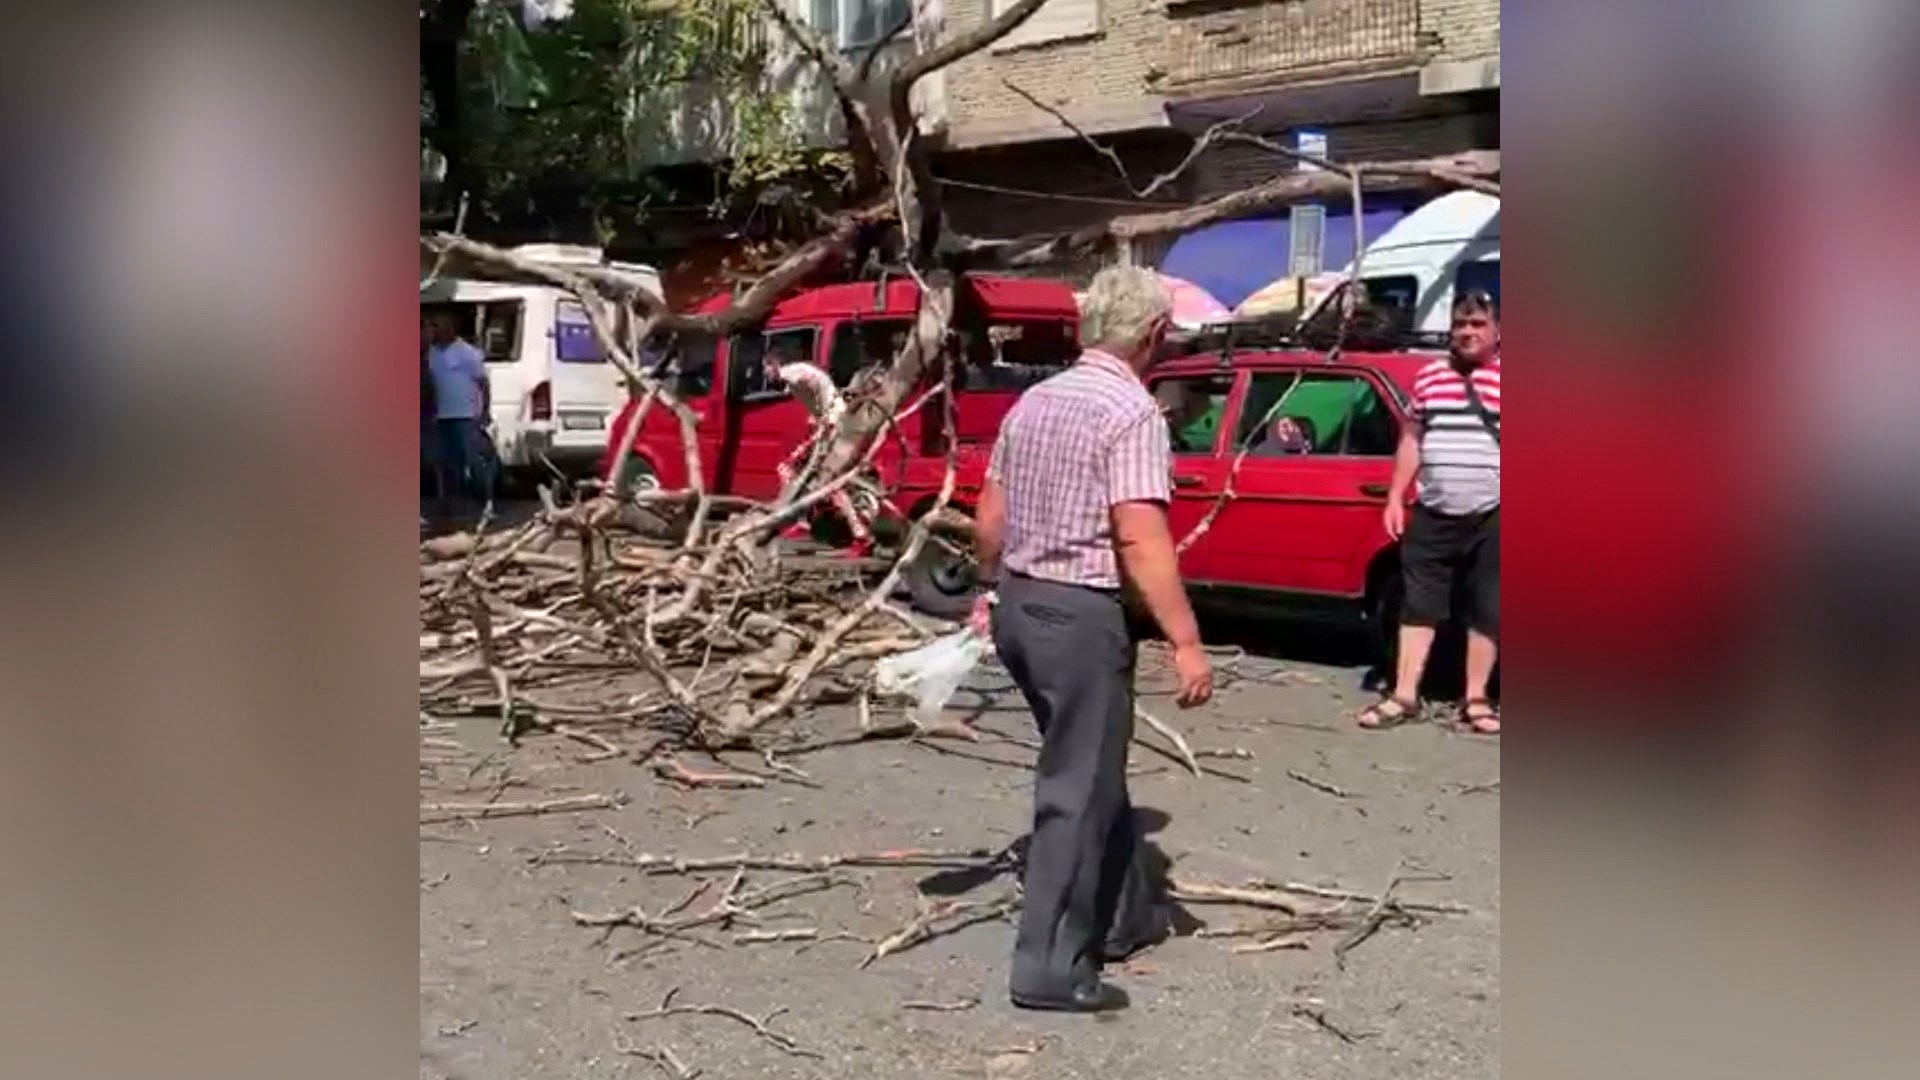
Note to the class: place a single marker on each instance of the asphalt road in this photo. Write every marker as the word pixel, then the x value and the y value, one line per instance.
pixel 511 988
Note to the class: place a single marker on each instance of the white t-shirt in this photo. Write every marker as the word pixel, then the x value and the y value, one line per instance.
pixel 815 390
pixel 458 370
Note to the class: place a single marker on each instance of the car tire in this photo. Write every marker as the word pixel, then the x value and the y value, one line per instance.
pixel 941 583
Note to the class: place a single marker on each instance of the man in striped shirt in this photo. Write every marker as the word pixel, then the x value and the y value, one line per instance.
pixel 1451 537
pixel 1072 523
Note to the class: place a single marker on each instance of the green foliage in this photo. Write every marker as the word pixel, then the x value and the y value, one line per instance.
pixel 575 104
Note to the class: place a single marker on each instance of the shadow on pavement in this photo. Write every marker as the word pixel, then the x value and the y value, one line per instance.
pixel 1011 862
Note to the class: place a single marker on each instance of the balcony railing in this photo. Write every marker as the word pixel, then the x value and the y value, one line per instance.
pixel 1235 40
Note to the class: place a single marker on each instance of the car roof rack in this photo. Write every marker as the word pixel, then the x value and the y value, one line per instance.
pixel 1286 332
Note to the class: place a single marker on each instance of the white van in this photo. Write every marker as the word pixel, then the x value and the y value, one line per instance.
pixel 1418 265
pixel 554 394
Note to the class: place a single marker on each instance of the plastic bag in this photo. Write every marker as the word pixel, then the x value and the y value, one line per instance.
pixel 931 673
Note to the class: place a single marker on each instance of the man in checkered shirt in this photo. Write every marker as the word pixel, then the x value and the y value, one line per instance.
pixel 1072 524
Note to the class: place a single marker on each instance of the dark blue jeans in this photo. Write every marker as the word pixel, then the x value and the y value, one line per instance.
pixel 464 464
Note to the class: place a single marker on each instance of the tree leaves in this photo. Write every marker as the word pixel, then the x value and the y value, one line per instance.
pixel 584 100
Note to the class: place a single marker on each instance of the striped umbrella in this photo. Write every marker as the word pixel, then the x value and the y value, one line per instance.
pixel 1194 306
pixel 1283 296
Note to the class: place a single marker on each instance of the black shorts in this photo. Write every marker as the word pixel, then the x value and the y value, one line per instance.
pixel 1442 554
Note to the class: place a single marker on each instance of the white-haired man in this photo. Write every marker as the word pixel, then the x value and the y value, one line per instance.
pixel 1072 524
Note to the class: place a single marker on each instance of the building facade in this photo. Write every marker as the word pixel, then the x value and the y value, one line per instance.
pixel 1356 80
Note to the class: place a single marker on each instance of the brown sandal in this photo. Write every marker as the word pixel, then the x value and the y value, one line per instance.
pixel 1388 712
pixel 1484 722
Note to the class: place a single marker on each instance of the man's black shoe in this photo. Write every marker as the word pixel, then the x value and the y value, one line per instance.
pixel 1094 997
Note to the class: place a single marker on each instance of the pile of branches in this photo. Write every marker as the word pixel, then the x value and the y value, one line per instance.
pixel 732 631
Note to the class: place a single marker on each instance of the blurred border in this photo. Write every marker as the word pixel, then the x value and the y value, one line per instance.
pixel 1708 847
pixel 209 570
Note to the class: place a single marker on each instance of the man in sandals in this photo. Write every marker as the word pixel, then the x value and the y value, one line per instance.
pixel 1451 536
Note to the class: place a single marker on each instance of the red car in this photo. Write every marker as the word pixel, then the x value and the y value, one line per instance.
pixel 1303 534
pixel 1013 332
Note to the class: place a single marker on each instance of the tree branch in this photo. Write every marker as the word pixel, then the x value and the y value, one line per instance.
pixel 752 306
pixel 1477 169
pixel 965 45
pixel 1207 138
pixel 1299 187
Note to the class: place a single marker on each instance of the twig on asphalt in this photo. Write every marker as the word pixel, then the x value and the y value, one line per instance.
pixel 437 812
pixel 1290 940
pixel 1319 1019
pixel 931 858
pixel 670 768
pixel 731 905
pixel 605 748
pixel 1325 893
pixel 942 1006
pixel 766 937
pixel 1384 910
pixel 1188 890
pixel 662 1056
pixel 759 1025
pixel 945 917
pixel 1321 785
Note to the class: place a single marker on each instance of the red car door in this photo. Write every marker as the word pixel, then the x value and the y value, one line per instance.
pixel 764 421
pixel 1309 494
pixel 1198 410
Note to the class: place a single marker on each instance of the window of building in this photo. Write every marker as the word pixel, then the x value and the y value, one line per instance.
pixel 855 23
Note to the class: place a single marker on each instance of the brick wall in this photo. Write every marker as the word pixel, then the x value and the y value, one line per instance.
pixel 1114 78
pixel 1103 80
pixel 1465 29
pixel 1286 39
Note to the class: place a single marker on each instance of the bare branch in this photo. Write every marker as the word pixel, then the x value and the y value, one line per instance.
pixel 781 1041
pixel 749 308
pixel 1299 187
pixel 1207 138
pixel 1476 168
pixel 965 45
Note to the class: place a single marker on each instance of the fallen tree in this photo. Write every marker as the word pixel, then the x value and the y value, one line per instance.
pixel 734 634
